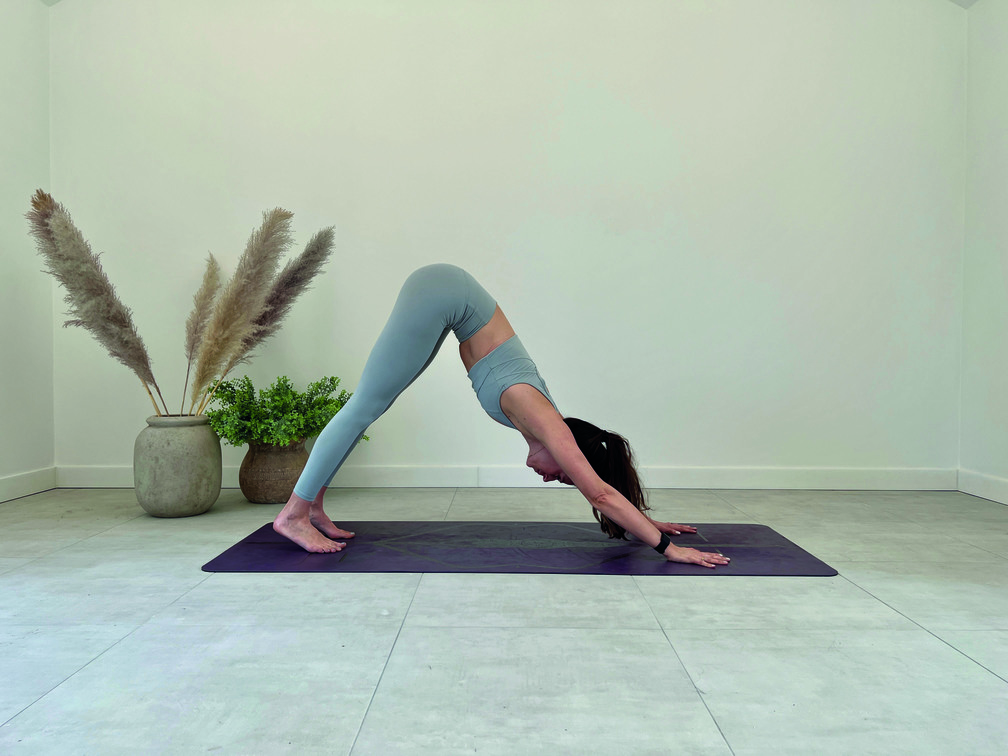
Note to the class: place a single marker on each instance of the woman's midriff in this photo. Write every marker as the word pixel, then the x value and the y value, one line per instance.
pixel 485 340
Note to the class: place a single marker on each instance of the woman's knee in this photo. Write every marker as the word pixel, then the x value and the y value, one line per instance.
pixel 364 409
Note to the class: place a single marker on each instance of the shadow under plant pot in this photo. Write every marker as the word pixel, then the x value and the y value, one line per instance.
pixel 269 473
pixel 177 466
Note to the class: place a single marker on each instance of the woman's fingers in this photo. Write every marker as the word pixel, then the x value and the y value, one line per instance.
pixel 674 528
pixel 712 560
pixel 703 558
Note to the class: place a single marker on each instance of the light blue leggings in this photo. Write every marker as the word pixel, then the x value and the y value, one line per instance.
pixel 434 300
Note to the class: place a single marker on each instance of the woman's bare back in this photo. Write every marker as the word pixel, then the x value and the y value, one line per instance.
pixel 486 339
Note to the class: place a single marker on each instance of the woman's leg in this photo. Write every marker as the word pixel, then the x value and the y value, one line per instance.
pixel 415 330
pixel 405 348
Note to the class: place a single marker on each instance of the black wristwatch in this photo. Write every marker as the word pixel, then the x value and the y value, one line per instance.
pixel 663 544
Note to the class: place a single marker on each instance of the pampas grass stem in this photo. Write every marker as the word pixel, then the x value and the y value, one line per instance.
pixel 184 387
pixel 158 389
pixel 209 395
pixel 156 408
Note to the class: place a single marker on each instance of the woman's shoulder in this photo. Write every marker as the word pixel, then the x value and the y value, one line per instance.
pixel 530 411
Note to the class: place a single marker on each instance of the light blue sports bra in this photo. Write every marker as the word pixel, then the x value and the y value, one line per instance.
pixel 505 366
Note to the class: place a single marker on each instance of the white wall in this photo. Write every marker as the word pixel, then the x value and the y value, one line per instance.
pixel 731 231
pixel 26 320
pixel 984 456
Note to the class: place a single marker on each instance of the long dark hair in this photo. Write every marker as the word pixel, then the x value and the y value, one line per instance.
pixel 611 458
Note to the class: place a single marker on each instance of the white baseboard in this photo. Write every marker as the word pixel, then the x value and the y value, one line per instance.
pixel 805 478
pixel 984 486
pixel 519 476
pixel 404 476
pixel 27 483
pixel 95 476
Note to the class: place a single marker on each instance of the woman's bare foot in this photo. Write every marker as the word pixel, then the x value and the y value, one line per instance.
pixel 321 521
pixel 301 531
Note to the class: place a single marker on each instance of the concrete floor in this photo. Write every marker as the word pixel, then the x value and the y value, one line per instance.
pixel 114 641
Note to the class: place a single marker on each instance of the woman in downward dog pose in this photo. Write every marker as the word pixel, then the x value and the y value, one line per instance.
pixel 440 298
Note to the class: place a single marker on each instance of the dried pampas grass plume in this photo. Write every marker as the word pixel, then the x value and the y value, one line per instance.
pixel 241 301
pixel 93 302
pixel 196 324
pixel 291 283
pixel 226 322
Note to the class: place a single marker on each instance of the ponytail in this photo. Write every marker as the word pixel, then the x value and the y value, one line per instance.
pixel 611 457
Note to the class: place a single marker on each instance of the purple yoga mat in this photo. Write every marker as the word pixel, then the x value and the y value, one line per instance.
pixel 518 547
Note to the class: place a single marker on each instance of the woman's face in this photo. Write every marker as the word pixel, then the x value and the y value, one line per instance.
pixel 544 464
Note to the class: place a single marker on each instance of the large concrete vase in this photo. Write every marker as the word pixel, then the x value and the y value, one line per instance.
pixel 177 466
pixel 269 473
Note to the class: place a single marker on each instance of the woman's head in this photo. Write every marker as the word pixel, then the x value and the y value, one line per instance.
pixel 611 458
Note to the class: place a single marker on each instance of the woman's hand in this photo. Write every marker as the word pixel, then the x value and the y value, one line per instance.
pixel 692 556
pixel 672 528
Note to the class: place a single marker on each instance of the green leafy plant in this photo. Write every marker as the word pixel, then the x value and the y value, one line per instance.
pixel 279 415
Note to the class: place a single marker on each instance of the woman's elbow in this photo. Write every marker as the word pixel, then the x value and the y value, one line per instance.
pixel 604 499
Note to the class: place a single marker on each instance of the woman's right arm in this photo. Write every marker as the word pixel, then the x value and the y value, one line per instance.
pixel 549 428
pixel 615 506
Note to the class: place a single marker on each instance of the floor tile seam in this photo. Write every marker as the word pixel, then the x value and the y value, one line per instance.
pixel 928 631
pixel 982 548
pixel 450 504
pixel 816 634
pixel 73 674
pixel 740 507
pixel 381 675
pixel 62 625
pixel 65 546
pixel 414 625
pixel 175 600
pixel 684 669
pixel 261 624
pixel 31 561
pixel 89 537
pixel 914 559
pixel 736 507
